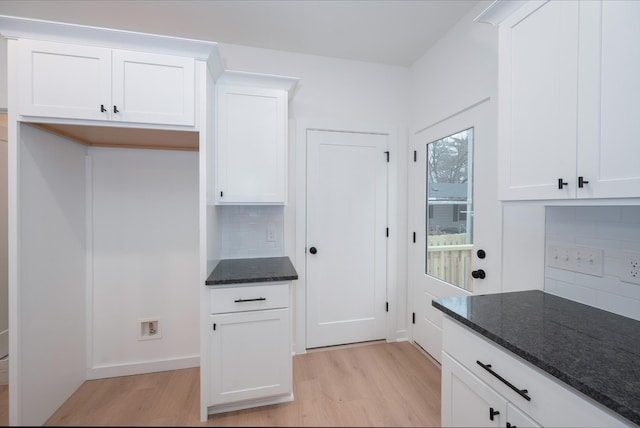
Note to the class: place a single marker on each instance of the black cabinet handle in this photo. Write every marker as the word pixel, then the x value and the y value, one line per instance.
pixel 511 426
pixel 102 109
pixel 313 250
pixel 561 183
pixel 582 182
pixel 521 392
pixel 479 274
pixel 259 299
pixel 481 254
pixel 115 109
pixel 493 413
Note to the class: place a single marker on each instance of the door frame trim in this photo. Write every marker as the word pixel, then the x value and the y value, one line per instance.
pixel 298 197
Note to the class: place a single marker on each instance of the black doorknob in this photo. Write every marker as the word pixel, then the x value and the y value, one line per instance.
pixel 313 250
pixel 478 274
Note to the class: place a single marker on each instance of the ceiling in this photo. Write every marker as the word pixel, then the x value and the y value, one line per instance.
pixel 395 32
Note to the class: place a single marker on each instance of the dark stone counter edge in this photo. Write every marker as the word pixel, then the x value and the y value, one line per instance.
pixel 596 395
pixel 246 281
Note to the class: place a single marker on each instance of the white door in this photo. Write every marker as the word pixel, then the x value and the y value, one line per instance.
pixel 346 237
pixel 455 248
pixel 4 275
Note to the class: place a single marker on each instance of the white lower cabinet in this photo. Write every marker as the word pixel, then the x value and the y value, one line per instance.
pixel 250 347
pixel 485 385
pixel 473 403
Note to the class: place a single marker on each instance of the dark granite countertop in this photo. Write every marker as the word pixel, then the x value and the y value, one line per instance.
pixel 264 269
pixel 595 351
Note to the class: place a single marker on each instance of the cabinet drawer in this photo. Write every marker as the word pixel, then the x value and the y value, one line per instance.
pixel 249 298
pixel 553 403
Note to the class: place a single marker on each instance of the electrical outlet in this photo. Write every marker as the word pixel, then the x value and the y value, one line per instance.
pixel 271 232
pixel 630 267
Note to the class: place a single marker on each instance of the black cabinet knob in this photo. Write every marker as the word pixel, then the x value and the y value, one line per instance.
pixel 481 254
pixel 561 183
pixel 493 413
pixel 478 274
pixel 313 250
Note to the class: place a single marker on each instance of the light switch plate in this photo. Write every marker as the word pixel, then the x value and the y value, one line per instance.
pixel 558 256
pixel 576 258
pixel 589 260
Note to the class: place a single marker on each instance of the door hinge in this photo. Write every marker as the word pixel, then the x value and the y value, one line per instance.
pixel 387 232
pixel 387 153
pixel 214 326
pixel 414 237
pixel 415 156
pixel 414 318
pixel 387 307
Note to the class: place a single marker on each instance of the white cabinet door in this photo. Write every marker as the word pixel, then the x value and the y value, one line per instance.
pixel 538 91
pixel 250 356
pixel 153 88
pixel 609 153
pixel 64 80
pixel 85 82
pixel 516 418
pixel 251 160
pixel 468 401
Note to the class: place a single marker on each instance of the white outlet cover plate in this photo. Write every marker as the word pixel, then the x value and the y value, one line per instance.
pixel 630 267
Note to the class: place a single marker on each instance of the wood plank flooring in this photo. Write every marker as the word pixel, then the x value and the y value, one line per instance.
pixel 378 384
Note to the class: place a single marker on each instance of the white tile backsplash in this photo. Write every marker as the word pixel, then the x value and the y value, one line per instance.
pixel 243 231
pixel 611 228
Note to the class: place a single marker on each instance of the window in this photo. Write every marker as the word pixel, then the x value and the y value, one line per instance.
pixel 450 208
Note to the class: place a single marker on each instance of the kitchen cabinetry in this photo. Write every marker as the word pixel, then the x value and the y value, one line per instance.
pixel 483 385
pixel 71 81
pixel 252 138
pixel 474 403
pixel 566 109
pixel 250 346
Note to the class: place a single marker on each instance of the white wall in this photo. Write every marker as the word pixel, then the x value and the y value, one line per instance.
pixel 243 231
pixel 330 88
pixel 613 229
pixel 51 323
pixel 145 259
pixel 457 72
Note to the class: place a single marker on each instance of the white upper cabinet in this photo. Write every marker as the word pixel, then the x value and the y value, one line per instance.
pixel 610 159
pixel 252 141
pixel 567 75
pixel 72 81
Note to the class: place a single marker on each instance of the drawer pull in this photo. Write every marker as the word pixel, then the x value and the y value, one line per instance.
pixel 521 392
pixel 259 299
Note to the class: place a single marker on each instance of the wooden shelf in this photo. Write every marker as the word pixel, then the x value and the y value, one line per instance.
pixel 109 136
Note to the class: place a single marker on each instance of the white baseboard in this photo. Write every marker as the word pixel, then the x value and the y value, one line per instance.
pixel 402 335
pixel 142 368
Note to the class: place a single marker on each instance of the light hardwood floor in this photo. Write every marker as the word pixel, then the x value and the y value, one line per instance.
pixel 378 384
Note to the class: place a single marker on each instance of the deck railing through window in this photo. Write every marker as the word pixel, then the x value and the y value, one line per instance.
pixel 449 258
